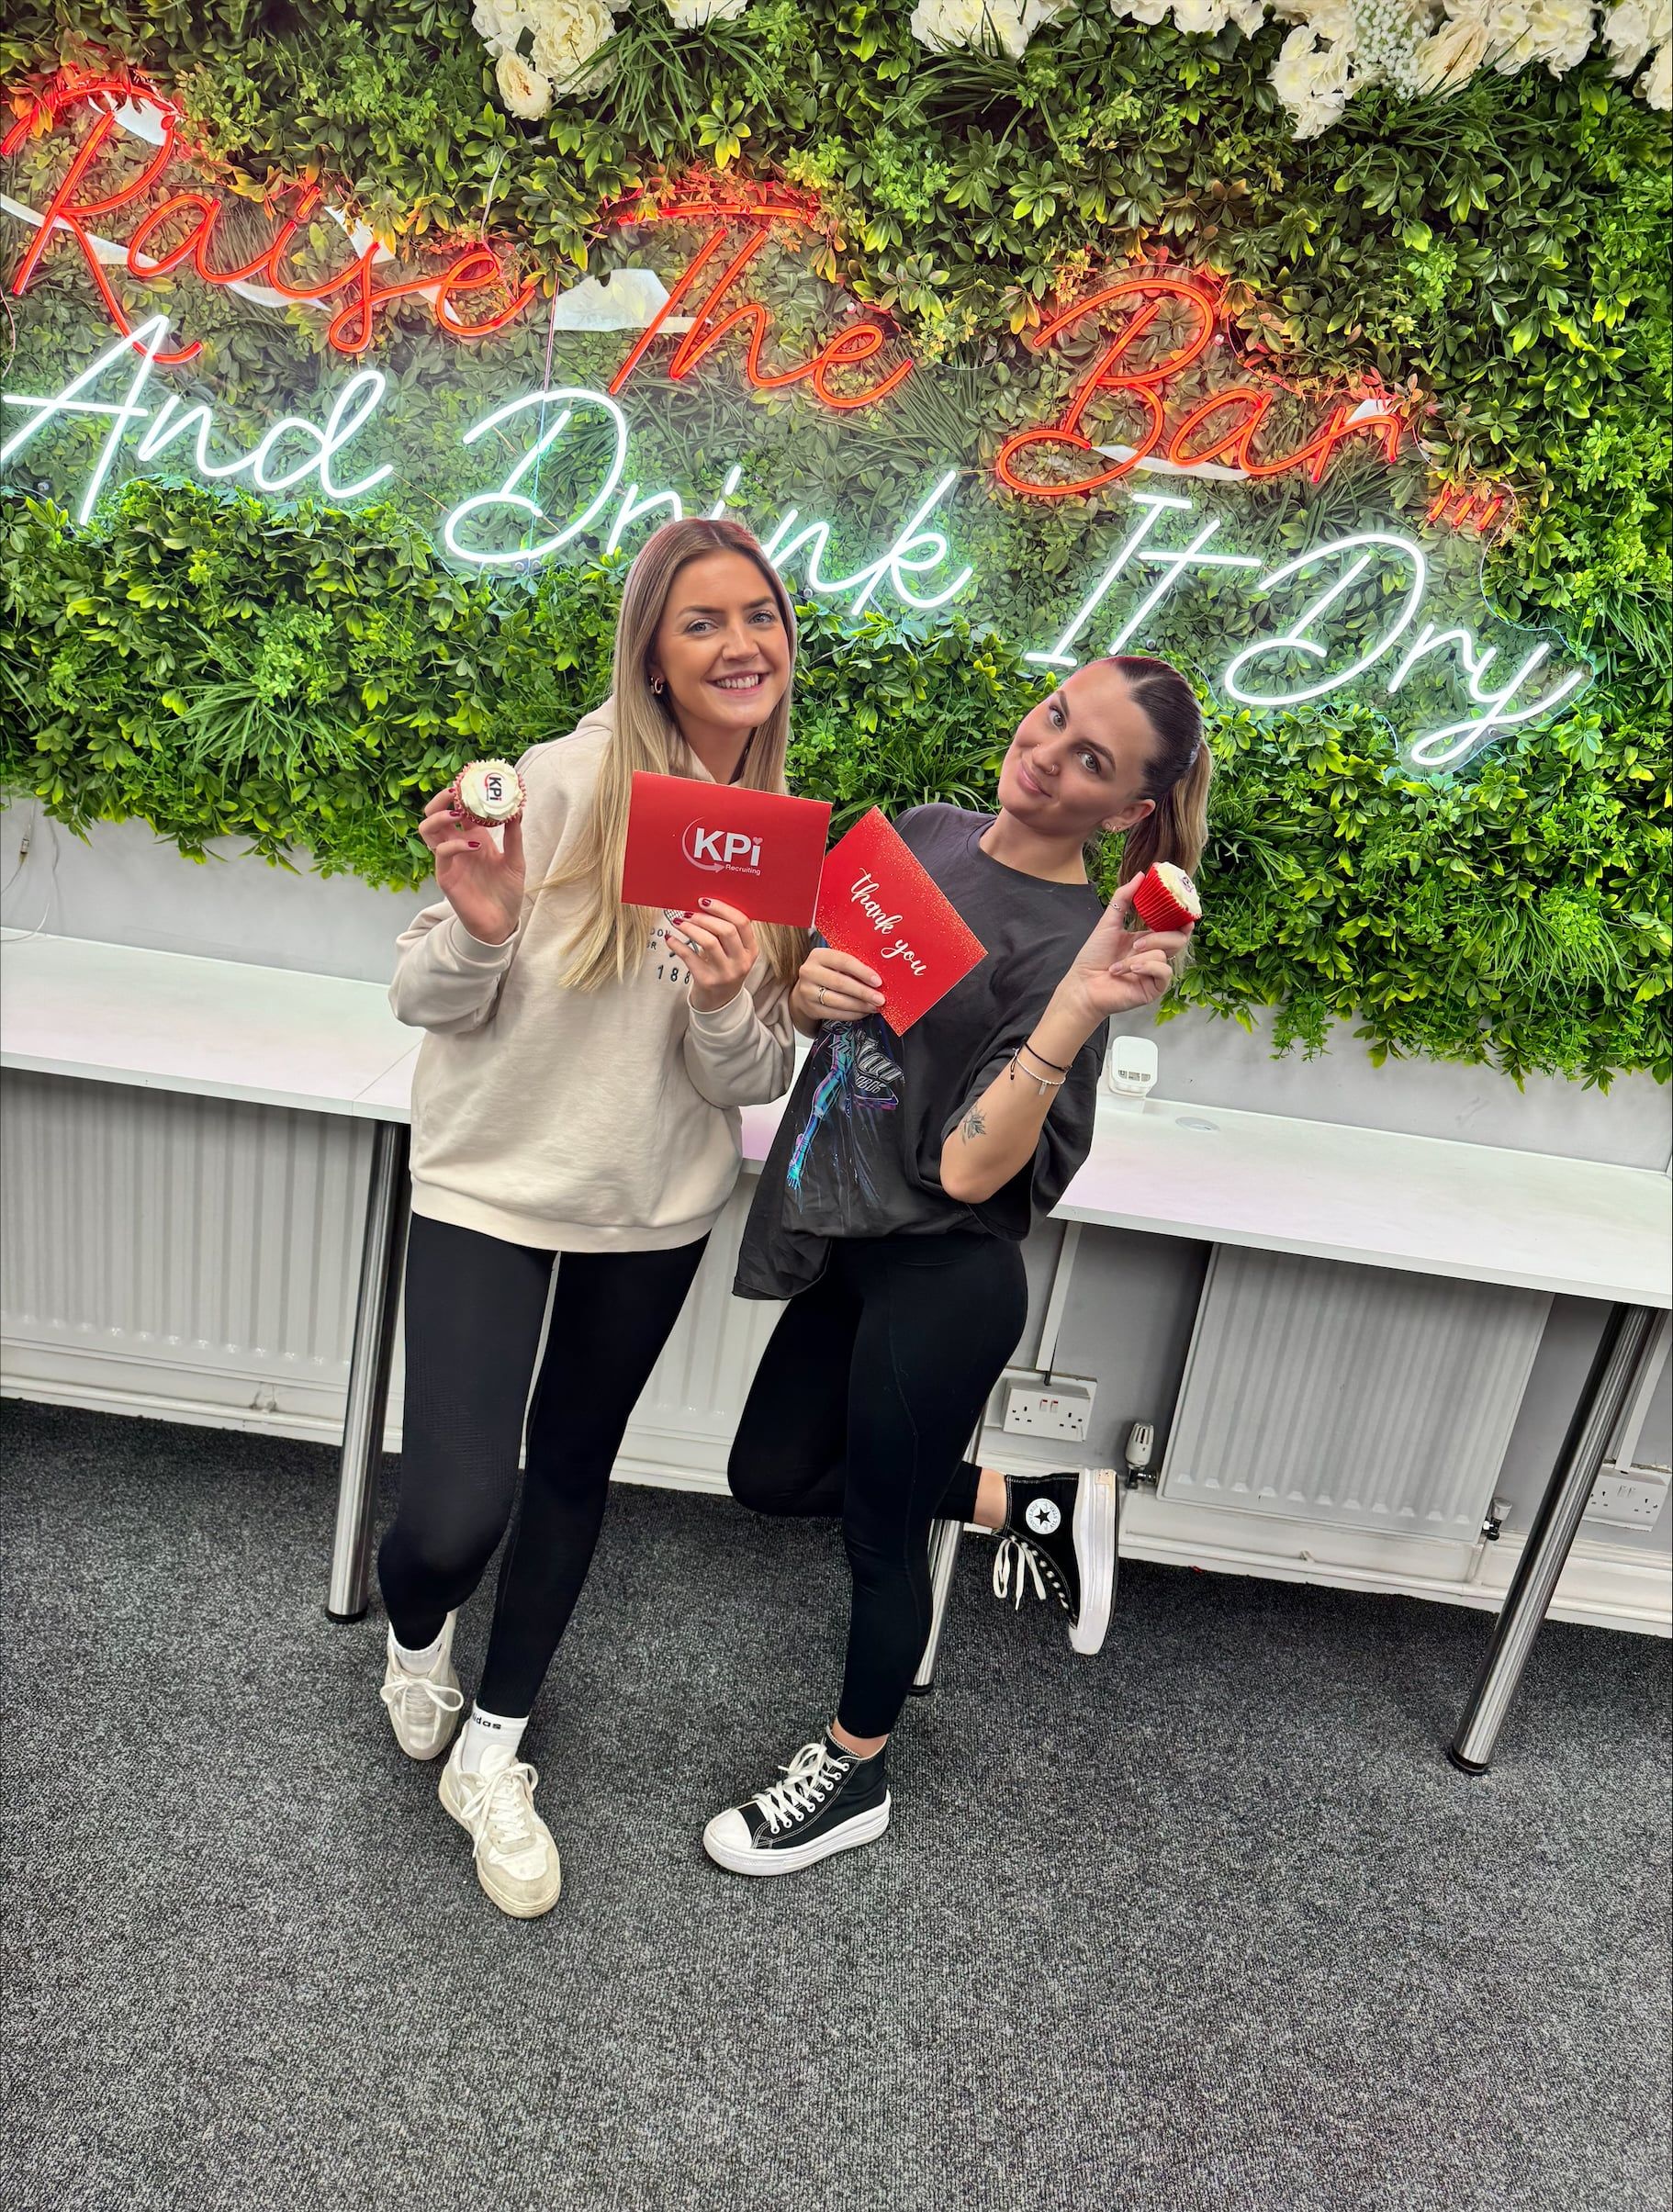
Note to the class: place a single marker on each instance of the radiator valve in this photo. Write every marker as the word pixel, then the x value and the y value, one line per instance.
pixel 1140 1444
pixel 1498 1513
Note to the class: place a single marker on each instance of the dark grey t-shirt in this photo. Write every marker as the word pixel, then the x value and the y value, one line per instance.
pixel 858 1150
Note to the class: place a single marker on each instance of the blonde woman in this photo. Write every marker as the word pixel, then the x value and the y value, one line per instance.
pixel 576 1105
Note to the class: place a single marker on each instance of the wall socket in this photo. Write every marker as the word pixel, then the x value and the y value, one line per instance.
pixel 1629 1499
pixel 1061 1407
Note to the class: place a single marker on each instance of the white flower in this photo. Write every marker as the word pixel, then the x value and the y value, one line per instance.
pixel 1451 55
pixel 1315 71
pixel 1557 32
pixel 568 34
pixel 691 15
pixel 498 24
pixel 1633 27
pixel 1144 11
pixel 1656 85
pixel 942 25
pixel 524 91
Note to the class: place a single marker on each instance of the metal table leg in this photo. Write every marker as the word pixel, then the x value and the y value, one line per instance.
pixel 944 1537
pixel 1555 1523
pixel 382 1249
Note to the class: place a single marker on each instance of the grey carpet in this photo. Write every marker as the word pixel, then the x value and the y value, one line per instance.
pixel 1206 1923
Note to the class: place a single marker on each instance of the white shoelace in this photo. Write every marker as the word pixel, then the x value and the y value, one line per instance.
pixel 500 1805
pixel 443 1697
pixel 1012 1554
pixel 807 1778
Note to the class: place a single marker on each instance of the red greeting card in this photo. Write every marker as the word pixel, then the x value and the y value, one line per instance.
pixel 877 902
pixel 756 850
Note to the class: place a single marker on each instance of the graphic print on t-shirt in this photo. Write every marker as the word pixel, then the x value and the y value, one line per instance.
pixel 860 1084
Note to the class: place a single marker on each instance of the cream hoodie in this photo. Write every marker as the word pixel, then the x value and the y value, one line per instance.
pixel 574 1120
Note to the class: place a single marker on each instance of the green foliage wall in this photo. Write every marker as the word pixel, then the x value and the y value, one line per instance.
pixel 298 678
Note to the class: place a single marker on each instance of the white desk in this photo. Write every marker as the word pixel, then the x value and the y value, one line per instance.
pixel 1367 1198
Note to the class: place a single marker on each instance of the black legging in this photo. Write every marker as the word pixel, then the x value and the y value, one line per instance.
pixel 474 1308
pixel 863 1404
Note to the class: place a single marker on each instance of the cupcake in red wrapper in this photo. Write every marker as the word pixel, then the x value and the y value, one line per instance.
pixel 490 794
pixel 1166 898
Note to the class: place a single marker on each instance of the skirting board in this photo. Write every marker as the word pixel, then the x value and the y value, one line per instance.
pixel 1604 1586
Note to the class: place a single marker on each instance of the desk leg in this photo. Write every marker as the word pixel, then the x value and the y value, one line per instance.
pixel 944 1537
pixel 382 1249
pixel 1555 1523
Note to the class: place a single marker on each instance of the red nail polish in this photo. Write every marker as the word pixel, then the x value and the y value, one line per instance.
pixel 705 901
pixel 475 844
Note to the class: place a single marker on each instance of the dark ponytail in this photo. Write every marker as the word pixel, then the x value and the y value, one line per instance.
pixel 1176 828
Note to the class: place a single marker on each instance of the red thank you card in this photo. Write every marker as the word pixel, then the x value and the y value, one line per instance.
pixel 877 902
pixel 758 851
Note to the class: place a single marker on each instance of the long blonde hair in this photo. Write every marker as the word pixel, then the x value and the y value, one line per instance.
pixel 609 939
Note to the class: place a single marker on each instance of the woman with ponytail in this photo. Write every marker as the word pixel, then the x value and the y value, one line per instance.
pixel 575 1112
pixel 891 1214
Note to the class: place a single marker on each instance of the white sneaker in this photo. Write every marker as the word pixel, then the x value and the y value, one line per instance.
pixel 423 1708
pixel 516 1857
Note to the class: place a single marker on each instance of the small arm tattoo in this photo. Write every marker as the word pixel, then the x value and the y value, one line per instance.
pixel 973 1124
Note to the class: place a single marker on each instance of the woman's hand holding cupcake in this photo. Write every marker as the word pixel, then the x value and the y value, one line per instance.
pixel 480 879
pixel 1119 967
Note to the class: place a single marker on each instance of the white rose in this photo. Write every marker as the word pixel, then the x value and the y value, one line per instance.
pixel 691 15
pixel 524 91
pixel 1656 85
pixel 1202 19
pixel 1144 11
pixel 1249 16
pixel 1452 55
pixel 568 34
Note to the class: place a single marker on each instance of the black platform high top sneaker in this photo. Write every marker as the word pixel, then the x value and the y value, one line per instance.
pixel 1059 1533
pixel 829 1800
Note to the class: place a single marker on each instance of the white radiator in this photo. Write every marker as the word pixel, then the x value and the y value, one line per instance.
pixel 196 1258
pixel 1353 1395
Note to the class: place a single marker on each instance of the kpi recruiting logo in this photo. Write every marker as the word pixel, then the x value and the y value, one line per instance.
pixel 718 849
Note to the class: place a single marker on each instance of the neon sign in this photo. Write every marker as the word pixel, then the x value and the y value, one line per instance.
pixel 1288 667
pixel 1309 634
pixel 1225 431
pixel 1119 373
pixel 476 269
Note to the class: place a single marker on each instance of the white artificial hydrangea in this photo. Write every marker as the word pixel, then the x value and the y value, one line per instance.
pixel 1339 46
pixel 1314 73
pixel 1630 31
pixel 1656 85
pixel 942 25
pixel 691 15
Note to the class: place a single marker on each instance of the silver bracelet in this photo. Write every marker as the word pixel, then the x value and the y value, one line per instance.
pixel 1042 1083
